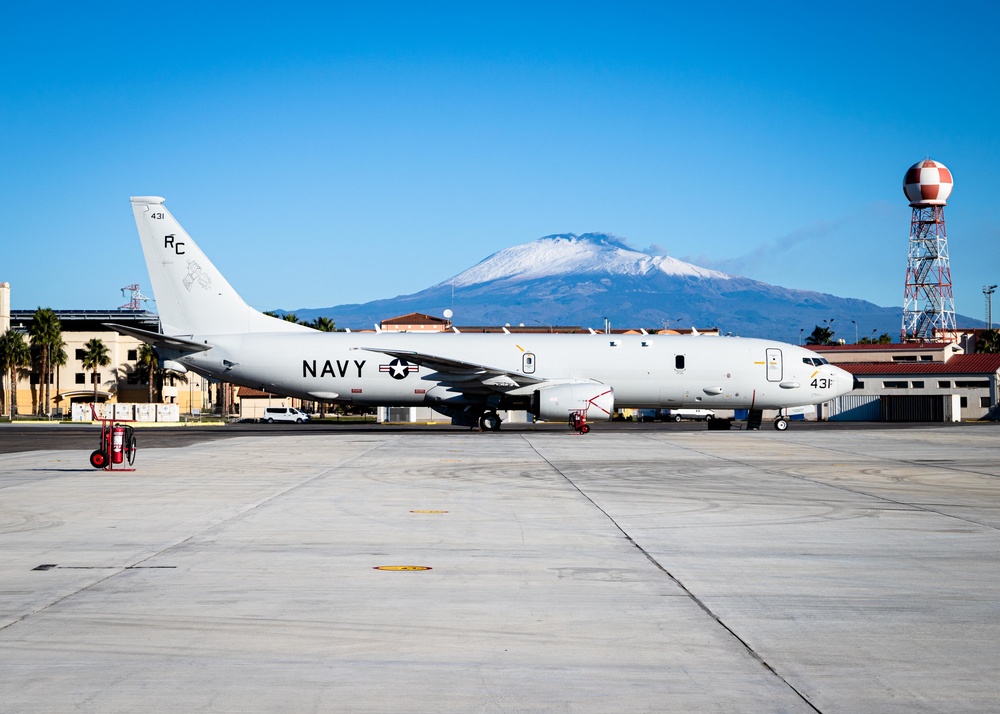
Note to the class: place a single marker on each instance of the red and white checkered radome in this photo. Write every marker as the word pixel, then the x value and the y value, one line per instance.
pixel 927 183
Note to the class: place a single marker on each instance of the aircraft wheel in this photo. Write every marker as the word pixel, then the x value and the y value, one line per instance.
pixel 99 459
pixel 677 418
pixel 490 421
pixel 130 449
pixel 780 423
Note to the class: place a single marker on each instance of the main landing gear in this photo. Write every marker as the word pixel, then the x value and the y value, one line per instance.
pixel 489 421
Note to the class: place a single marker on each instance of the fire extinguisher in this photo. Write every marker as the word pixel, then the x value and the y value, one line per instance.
pixel 117 443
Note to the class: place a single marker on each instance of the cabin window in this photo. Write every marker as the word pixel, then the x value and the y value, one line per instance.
pixel 678 361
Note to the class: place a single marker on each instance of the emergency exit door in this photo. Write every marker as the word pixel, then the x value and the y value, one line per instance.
pixel 773 364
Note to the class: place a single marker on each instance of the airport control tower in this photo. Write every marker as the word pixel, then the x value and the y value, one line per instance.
pixel 928 304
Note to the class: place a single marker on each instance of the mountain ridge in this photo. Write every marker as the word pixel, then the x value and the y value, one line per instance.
pixel 571 279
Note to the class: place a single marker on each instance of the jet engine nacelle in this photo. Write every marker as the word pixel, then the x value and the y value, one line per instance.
pixel 557 402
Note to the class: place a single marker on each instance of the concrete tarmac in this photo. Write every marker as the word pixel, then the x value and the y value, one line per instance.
pixel 626 570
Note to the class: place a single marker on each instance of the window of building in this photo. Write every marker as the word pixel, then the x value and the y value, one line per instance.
pixel 80 353
pixel 133 355
pixel 973 384
pixel 895 384
pixel 926 358
pixel 81 378
pixel 984 402
pixel 918 384
pixel 904 358
pixel 945 384
pixel 95 378
pixel 965 402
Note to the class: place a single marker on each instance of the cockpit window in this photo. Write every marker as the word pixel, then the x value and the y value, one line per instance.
pixel 815 361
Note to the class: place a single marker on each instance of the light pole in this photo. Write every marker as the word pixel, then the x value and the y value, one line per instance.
pixel 988 291
pixel 801 330
pixel 855 331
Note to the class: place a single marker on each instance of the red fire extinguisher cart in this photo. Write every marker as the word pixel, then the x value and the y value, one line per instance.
pixel 116 447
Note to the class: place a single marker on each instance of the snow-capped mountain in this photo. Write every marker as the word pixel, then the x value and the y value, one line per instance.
pixel 581 280
pixel 568 254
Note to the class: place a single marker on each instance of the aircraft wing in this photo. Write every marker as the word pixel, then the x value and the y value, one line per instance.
pixel 155 339
pixel 459 369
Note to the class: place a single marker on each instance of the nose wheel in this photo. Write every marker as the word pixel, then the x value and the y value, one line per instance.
pixel 781 423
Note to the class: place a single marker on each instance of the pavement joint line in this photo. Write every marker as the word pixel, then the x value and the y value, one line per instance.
pixel 845 489
pixel 691 595
pixel 136 565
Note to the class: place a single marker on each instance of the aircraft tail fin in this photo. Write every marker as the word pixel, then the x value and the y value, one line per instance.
pixel 192 297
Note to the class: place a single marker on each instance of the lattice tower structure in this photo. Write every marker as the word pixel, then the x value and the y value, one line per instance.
pixel 928 301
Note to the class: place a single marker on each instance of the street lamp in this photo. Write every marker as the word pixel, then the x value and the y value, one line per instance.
pixel 988 291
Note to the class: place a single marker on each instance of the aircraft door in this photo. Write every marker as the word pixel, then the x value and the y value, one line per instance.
pixel 528 363
pixel 774 370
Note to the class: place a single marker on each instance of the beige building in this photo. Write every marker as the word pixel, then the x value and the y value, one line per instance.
pixel 120 381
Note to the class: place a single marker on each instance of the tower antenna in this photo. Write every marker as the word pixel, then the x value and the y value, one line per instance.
pixel 137 298
pixel 928 302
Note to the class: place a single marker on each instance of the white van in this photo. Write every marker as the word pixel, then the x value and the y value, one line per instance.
pixel 273 414
pixel 696 414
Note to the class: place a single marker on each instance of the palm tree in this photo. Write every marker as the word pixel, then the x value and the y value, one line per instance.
pixel 820 336
pixel 323 324
pixel 290 317
pixel 147 364
pixel 45 333
pixel 58 359
pixel 988 342
pixel 14 354
pixel 95 356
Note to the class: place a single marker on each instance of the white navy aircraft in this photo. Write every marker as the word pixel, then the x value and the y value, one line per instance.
pixel 208 328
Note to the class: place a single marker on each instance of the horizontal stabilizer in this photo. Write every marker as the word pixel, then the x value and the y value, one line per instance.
pixel 155 339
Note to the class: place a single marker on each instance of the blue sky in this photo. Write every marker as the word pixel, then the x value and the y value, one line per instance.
pixel 325 154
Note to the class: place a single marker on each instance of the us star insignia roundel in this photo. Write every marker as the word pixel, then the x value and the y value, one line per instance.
pixel 398 368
